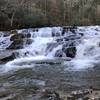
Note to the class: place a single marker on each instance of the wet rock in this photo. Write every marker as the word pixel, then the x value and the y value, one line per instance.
pixel 35 29
pixel 70 97
pixel 51 95
pixel 73 29
pixel 79 95
pixel 71 37
pixel 55 32
pixel 69 28
pixel 17 37
pixel 4 93
pixel 64 30
pixel 29 41
pixel 59 39
pixel 7 56
pixel 94 98
pixel 13 32
pixel 68 38
pixel 82 34
pixel 28 35
pixel 70 51
pixel 68 44
pixel 50 47
pixel 4 34
pixel 59 53
pixel 18 40
pixel 17 44
pixel 84 95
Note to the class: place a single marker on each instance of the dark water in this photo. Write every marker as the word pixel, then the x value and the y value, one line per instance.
pixel 26 84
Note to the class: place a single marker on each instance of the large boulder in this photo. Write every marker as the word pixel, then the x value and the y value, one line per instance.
pixel 20 36
pixel 70 51
pixel 19 39
pixel 17 35
pixel 17 44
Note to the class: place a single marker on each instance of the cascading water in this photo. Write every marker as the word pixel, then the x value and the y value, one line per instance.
pixel 82 46
pixel 4 40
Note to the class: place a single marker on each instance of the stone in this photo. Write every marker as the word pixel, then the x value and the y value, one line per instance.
pixel 59 53
pixel 8 58
pixel 13 32
pixel 7 55
pixel 51 95
pixel 29 41
pixel 17 37
pixel 80 94
pixel 17 44
pixel 28 35
pixel 70 51
pixel 69 28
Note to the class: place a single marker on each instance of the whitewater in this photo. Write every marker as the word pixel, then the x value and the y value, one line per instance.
pixel 48 45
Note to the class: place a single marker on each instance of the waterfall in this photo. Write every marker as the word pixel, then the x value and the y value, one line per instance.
pixel 81 45
pixel 88 51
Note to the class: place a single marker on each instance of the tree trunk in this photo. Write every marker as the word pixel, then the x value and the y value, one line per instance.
pixel 12 19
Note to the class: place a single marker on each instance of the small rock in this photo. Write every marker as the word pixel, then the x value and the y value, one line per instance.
pixel 51 95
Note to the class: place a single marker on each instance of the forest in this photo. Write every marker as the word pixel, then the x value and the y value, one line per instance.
pixel 39 13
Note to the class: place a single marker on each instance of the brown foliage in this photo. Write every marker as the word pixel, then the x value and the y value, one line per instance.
pixel 36 13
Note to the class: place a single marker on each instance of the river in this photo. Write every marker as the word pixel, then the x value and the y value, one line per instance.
pixel 48 58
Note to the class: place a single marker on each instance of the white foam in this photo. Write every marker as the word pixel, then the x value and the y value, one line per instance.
pixel 87 55
pixel 88 51
pixel 24 62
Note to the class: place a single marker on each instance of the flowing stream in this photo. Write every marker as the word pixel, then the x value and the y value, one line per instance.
pixel 50 51
pixel 50 44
